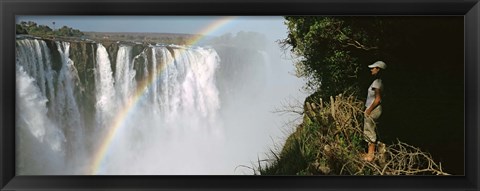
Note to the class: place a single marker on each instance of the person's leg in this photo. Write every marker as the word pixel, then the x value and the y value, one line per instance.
pixel 371 152
pixel 370 137
pixel 370 134
pixel 369 129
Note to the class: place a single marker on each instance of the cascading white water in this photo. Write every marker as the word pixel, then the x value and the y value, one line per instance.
pixel 180 85
pixel 38 138
pixel 35 59
pixel 124 74
pixel 66 111
pixel 164 78
pixel 196 93
pixel 163 100
pixel 154 88
pixel 104 88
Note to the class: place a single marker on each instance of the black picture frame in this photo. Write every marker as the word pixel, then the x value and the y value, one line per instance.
pixel 470 9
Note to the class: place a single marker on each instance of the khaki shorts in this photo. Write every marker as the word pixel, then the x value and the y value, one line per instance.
pixel 370 123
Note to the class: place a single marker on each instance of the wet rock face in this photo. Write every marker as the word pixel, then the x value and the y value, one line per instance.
pixel 55 55
pixel 237 66
pixel 71 91
pixel 83 55
pixel 112 50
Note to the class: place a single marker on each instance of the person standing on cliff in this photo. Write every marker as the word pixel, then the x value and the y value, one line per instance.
pixel 373 108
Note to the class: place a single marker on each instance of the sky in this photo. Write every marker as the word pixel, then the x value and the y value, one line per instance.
pixel 272 26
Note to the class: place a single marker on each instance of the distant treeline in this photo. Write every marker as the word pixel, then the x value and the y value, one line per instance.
pixel 32 28
pixel 167 38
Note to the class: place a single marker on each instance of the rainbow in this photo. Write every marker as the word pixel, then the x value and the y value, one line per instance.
pixel 119 120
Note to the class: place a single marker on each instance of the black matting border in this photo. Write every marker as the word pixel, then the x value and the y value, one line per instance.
pixel 470 9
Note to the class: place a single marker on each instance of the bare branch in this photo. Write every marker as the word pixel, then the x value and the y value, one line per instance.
pixel 354 43
pixel 335 143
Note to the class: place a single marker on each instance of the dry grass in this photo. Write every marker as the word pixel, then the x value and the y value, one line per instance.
pixel 330 141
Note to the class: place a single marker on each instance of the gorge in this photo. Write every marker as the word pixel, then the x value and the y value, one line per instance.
pixel 126 108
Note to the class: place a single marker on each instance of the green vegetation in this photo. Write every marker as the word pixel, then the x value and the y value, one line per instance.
pixel 65 32
pixel 332 49
pixel 332 55
pixel 149 38
pixel 333 52
pixel 330 142
pixel 32 28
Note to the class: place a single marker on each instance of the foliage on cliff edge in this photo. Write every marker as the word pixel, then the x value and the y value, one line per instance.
pixel 34 29
pixel 330 142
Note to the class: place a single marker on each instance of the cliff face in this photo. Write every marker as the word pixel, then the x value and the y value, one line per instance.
pixel 85 89
pixel 75 92
pixel 330 141
pixel 239 66
pixel 83 55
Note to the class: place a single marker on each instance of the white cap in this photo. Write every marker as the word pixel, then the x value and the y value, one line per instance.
pixel 379 64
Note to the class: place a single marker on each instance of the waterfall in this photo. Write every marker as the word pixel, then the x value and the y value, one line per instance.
pixel 154 87
pixel 38 137
pixel 35 59
pixel 104 89
pixel 176 107
pixel 66 108
pixel 48 115
pixel 164 85
pixel 175 117
pixel 142 110
pixel 124 74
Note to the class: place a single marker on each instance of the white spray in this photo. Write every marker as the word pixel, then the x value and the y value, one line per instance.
pixel 179 124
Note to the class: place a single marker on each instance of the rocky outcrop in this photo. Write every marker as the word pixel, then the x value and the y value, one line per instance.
pixel 330 141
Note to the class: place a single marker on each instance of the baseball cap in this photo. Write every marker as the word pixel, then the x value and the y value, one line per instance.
pixel 379 64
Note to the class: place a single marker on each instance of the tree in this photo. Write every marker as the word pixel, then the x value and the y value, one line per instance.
pixel 425 75
pixel 333 50
pixel 34 29
pixel 20 29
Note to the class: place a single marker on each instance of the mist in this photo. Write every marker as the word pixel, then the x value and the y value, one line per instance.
pixel 212 112
pixel 255 79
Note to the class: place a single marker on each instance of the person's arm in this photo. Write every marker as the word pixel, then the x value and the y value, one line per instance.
pixel 376 102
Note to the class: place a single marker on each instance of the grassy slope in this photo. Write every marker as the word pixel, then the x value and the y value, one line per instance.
pixel 330 142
